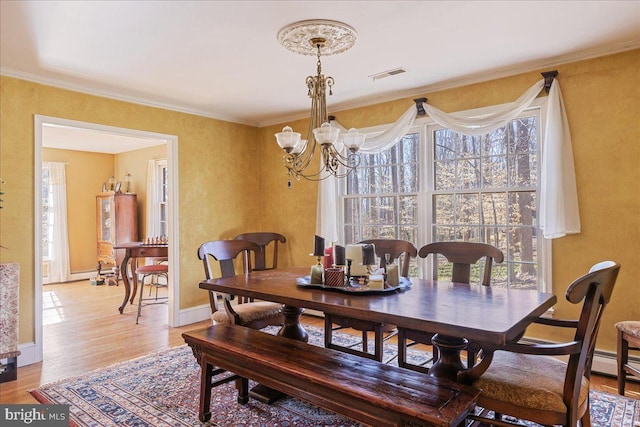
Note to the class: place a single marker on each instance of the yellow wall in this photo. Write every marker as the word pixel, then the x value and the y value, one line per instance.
pixel 602 99
pixel 225 188
pixel 135 163
pixel 85 172
pixel 215 201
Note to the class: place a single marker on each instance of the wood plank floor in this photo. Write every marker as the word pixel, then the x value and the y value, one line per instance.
pixel 84 331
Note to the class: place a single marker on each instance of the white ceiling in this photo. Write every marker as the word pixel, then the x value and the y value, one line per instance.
pixel 222 59
pixel 97 141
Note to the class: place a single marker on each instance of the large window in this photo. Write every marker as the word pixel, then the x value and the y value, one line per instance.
pixel 381 199
pixel 473 188
pixel 484 189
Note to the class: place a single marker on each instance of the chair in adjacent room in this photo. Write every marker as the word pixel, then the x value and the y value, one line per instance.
pixel 462 256
pixel 628 339
pixel 400 250
pixel 153 271
pixel 264 240
pixel 536 382
pixel 249 313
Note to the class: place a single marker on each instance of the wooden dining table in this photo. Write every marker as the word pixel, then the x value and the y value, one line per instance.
pixel 456 312
pixel 133 251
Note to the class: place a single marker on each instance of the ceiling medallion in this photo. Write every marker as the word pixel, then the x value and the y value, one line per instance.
pixel 298 37
pixel 339 156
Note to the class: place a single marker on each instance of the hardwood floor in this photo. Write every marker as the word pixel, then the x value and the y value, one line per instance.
pixel 84 331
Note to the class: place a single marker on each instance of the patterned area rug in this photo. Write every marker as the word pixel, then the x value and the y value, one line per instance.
pixel 162 389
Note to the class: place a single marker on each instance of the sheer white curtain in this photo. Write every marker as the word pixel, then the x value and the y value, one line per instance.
pixel 57 231
pixel 559 213
pixel 152 217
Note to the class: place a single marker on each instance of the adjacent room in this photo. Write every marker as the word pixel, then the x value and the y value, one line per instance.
pixel 320 213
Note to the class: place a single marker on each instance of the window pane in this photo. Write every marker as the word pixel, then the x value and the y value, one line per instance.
pixel 468 174
pixel 408 210
pixel 445 175
pixel 494 208
pixel 522 208
pixel 494 172
pixel 467 209
pixel 443 209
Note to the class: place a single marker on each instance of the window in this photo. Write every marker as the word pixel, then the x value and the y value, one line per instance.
pixel 381 197
pixel 157 214
pixel 473 188
pixel 484 189
pixel 163 196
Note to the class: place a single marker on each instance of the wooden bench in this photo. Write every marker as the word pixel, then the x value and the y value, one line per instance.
pixel 362 389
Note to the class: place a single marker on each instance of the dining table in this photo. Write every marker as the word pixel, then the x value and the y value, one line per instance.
pixel 455 312
pixel 133 251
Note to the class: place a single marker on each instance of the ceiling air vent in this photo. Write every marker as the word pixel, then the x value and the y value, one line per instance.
pixel 388 73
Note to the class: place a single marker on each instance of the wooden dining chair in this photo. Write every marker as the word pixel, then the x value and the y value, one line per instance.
pixel 628 339
pixel 253 314
pixel 264 240
pixel 462 256
pixel 249 313
pixel 533 381
pixel 400 250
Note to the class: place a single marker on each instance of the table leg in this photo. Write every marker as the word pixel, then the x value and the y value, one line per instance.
pixel 125 280
pixel 449 363
pixel 134 266
pixel 291 329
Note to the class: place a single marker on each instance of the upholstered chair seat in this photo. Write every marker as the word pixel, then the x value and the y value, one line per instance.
pixel 257 310
pixel 528 382
pixel 629 327
pixel 628 339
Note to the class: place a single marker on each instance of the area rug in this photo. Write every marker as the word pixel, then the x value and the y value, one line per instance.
pixel 162 389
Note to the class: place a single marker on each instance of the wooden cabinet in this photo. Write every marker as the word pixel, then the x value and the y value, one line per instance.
pixel 116 223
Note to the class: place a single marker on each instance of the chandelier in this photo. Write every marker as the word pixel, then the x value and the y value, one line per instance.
pixel 338 153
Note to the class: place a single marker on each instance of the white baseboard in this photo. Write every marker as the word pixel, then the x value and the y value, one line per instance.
pixel 194 314
pixel 85 275
pixel 28 354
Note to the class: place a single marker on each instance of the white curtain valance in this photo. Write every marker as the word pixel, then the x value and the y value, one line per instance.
pixel 559 213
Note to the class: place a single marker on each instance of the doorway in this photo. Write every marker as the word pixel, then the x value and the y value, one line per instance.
pixel 102 133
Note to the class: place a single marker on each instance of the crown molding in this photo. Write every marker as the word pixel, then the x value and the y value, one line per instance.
pixel 118 97
pixel 470 79
pixel 358 103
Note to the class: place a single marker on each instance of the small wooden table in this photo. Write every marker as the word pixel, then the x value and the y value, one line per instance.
pixel 133 251
pixel 455 311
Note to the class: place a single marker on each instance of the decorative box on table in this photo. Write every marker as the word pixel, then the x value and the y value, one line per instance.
pixel 9 286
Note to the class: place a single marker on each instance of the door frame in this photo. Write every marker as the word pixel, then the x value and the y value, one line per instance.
pixel 172 164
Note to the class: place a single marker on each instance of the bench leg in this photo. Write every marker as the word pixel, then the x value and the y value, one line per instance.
pixel 242 384
pixel 205 391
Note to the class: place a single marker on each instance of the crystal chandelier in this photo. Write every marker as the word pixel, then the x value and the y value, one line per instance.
pixel 338 153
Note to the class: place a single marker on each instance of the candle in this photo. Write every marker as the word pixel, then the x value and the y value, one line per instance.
pixel 334 277
pixel 339 256
pixel 354 253
pixel 368 254
pixel 316 274
pixel 318 246
pixel 328 257
pixel 392 274
pixel 376 281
